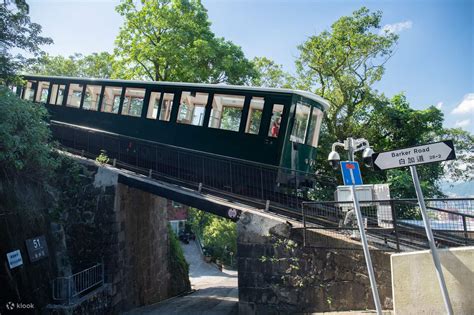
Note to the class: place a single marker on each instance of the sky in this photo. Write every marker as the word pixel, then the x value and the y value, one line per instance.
pixel 433 63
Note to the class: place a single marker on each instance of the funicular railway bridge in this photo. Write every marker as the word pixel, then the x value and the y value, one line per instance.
pixel 194 170
pixel 277 183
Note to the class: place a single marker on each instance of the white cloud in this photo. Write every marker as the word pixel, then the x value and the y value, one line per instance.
pixel 396 27
pixel 439 105
pixel 466 105
pixel 462 123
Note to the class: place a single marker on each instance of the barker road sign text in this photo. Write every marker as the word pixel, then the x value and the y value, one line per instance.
pixel 421 154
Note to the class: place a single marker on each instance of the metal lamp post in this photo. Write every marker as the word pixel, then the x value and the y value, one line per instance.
pixel 355 145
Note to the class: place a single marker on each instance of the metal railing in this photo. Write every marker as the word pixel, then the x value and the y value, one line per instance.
pixel 68 289
pixel 390 224
pixel 255 183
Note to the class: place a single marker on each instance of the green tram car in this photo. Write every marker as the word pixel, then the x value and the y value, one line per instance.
pixel 278 127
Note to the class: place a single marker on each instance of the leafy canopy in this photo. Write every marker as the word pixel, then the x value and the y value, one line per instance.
pixel 17 32
pixel 270 74
pixel 171 40
pixel 342 64
pixel 96 65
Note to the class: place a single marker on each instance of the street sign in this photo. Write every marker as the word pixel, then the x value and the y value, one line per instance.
pixel 421 154
pixel 412 156
pixel 351 173
pixel 14 259
pixel 37 248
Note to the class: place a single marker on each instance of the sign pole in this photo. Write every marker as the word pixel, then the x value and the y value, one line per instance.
pixel 429 234
pixel 368 260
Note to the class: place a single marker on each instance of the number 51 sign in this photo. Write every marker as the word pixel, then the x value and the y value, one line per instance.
pixel 37 248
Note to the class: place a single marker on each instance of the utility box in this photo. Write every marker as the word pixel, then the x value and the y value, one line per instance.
pixel 382 211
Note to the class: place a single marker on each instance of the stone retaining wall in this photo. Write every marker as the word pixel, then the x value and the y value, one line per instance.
pixel 278 276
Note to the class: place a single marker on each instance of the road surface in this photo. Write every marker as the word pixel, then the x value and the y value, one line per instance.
pixel 216 291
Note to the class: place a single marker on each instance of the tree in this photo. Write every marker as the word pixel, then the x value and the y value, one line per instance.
pixel 342 64
pixel 270 74
pixel 221 236
pixel 461 169
pixel 171 40
pixel 96 65
pixel 17 32
pixel 390 126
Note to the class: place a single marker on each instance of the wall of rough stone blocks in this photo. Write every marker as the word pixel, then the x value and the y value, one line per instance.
pixel 277 275
pixel 138 263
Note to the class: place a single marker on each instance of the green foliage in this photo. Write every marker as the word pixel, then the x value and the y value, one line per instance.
pixel 390 126
pixel 461 169
pixel 171 40
pixel 285 255
pixel 270 74
pixel 102 158
pixel 68 175
pixel 96 65
pixel 230 119
pixel 219 235
pixel 342 64
pixel 19 33
pixel 198 220
pixel 176 252
pixel 24 138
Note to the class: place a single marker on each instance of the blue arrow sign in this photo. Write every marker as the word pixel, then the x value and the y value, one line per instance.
pixel 351 173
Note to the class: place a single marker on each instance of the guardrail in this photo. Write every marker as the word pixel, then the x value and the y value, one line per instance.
pixel 392 224
pixel 258 183
pixel 68 289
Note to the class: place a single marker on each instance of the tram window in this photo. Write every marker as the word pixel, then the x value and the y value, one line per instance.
pixel 74 95
pixel 133 102
pixel 30 90
pixel 153 105
pixel 43 90
pixel 255 115
pixel 314 127
pixel 226 112
pixel 301 123
pixel 192 108
pixel 111 100
pixel 92 97
pixel 57 94
pixel 166 106
pixel 274 128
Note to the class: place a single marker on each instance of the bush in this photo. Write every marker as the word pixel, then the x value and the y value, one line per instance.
pixel 25 145
pixel 176 252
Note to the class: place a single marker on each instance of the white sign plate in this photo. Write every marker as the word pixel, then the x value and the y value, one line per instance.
pixel 14 259
pixel 421 154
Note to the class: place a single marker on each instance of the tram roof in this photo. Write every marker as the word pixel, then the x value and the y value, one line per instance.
pixel 306 94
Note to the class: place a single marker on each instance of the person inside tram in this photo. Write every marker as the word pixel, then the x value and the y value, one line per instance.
pixel 276 127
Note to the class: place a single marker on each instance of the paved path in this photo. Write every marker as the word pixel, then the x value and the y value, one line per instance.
pixel 216 291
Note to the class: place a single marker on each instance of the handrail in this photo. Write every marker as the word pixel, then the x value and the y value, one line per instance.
pixel 385 228
pixel 66 288
pixel 201 153
pixel 406 201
